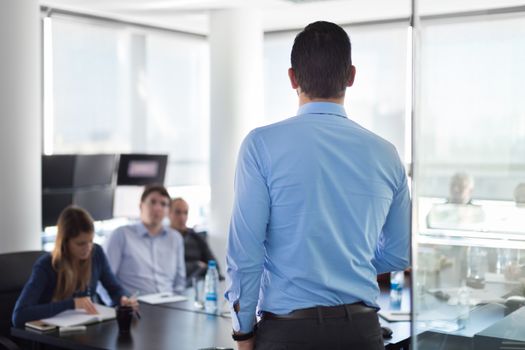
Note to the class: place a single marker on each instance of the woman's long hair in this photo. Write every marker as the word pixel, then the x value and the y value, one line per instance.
pixel 71 276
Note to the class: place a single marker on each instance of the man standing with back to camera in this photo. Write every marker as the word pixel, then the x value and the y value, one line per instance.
pixel 321 207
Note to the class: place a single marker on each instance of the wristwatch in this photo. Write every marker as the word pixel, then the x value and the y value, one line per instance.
pixel 242 336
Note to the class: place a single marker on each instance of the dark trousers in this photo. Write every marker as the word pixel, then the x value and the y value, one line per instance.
pixel 360 331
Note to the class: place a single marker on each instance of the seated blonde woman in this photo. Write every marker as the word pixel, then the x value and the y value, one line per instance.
pixel 67 278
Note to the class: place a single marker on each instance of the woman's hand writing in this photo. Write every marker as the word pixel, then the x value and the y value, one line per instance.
pixel 86 304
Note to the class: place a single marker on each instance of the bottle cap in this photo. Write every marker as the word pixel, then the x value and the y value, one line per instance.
pixel 212 263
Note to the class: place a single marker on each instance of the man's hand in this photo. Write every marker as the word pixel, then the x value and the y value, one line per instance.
pixel 246 344
pixel 86 304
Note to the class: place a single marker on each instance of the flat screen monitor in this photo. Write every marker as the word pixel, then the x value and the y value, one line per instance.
pixel 57 171
pixel 94 170
pixel 52 205
pixel 66 171
pixel 98 202
pixel 141 169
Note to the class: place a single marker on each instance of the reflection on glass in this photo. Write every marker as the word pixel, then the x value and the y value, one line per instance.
pixel 471 116
pixel 461 290
pixel 469 173
pixel 458 212
pixel 477 265
pixel 519 195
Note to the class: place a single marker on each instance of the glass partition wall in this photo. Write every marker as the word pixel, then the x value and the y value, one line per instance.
pixel 469 176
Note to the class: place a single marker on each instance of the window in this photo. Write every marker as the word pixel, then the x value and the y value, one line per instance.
pixel 90 88
pixel 178 108
pixel 469 139
pixel 118 88
pixel 377 100
pixel 472 107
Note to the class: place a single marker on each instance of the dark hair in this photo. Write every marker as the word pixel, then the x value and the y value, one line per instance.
pixel 322 60
pixel 154 188
pixel 71 223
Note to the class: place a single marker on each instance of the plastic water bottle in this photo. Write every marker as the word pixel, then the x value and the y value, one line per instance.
pixel 397 280
pixel 463 307
pixel 211 283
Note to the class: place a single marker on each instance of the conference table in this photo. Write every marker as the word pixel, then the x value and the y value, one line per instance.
pixel 179 326
pixel 159 328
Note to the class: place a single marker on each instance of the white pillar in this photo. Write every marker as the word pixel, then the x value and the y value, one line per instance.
pixel 137 91
pixel 20 126
pixel 236 101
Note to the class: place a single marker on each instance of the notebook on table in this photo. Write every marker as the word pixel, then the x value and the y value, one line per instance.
pixel 40 326
pixel 70 318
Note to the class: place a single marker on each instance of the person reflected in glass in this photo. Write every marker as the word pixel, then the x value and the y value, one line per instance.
pixel 197 252
pixel 148 257
pixel 458 212
pixel 67 278
pixel 514 267
pixel 519 195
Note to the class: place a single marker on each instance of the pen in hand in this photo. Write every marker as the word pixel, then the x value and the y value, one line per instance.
pixel 134 303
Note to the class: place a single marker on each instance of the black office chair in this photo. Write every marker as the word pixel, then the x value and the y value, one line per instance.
pixel 16 269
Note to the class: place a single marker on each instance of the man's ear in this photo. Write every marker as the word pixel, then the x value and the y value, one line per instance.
pixel 351 77
pixel 293 80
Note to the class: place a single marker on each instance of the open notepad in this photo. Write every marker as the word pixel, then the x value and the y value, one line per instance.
pixel 70 318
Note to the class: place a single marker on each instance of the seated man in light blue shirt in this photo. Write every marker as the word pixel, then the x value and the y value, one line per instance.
pixel 147 257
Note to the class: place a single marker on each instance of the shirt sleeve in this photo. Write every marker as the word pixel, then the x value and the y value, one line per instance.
pixel 29 306
pixel 108 279
pixel 179 281
pixel 245 251
pixel 113 250
pixel 393 248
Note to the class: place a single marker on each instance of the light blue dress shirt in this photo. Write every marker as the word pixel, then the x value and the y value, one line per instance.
pixel 321 207
pixel 145 263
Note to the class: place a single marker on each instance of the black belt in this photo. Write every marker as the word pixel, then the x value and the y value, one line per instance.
pixel 320 312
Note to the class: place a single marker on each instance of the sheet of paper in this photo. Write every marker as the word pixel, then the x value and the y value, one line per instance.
pixel 161 298
pixel 105 312
pixel 70 318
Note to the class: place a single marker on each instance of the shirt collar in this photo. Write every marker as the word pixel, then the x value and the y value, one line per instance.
pixel 322 108
pixel 143 231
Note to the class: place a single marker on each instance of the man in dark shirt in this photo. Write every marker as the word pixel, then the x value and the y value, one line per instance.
pixel 197 253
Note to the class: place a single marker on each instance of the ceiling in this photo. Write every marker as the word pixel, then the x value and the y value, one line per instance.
pixel 193 15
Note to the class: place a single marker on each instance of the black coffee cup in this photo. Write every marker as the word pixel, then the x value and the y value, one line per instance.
pixel 124 317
